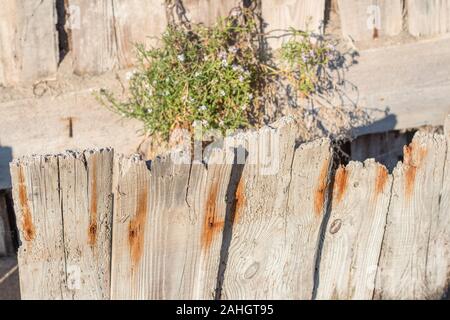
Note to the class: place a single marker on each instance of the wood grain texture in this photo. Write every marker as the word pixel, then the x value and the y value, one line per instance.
pixel 37 205
pixel 428 17
pixel 411 229
pixel 370 19
pixel 438 266
pixel 86 201
pixel 279 16
pixel 28 41
pixel 6 245
pixel 93 37
pixel 208 11
pixel 63 208
pixel 172 231
pixel 349 260
pixel 137 22
pixel 277 219
pixel 386 148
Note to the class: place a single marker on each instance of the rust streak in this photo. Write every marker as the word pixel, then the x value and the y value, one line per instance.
pixel 92 230
pixel 319 194
pixel 240 200
pixel 136 227
pixel 413 158
pixel 340 183
pixel 29 231
pixel 211 225
pixel 381 179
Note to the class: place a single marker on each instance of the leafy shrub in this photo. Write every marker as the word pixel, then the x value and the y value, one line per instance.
pixel 307 57
pixel 216 76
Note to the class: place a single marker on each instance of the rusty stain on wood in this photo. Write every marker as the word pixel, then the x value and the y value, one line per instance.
pixel 413 158
pixel 211 225
pixel 240 200
pixel 381 179
pixel 92 230
pixel 340 183
pixel 27 221
pixel 136 227
pixel 319 194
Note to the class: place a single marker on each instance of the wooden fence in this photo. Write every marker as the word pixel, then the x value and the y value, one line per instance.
pixel 95 225
pixel 100 34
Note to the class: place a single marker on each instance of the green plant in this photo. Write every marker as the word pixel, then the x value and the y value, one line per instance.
pixel 306 58
pixel 197 74
pixel 216 76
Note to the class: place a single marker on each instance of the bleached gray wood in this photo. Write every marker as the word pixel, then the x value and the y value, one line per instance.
pixel 277 219
pixel 349 260
pixel 170 212
pixel 370 19
pixel 208 12
pixel 386 148
pixel 37 206
pixel 137 22
pixel 438 259
pixel 45 125
pixel 28 41
pixel 86 201
pixel 405 261
pixel 428 17
pixel 93 38
pixel 282 15
pixel 395 94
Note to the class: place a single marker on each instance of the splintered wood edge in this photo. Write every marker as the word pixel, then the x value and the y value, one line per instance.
pixel 75 154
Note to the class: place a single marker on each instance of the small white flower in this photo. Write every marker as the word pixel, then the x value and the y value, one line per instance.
pixel 234 67
pixel 204 122
pixel 181 57
pixel 244 106
pixel 222 55
pixel 202 108
pixel 250 96
pixel 149 110
pixel 222 93
pixel 130 74
pixel 241 78
pixel 224 63
pixel 197 73
pixel 232 49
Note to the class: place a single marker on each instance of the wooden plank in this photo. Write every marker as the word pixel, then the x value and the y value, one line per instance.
pixel 277 218
pixel 28 41
pixel 393 93
pixel 86 200
pixel 94 44
pixel 279 16
pixel 405 259
pixel 370 19
pixel 67 120
pixel 208 11
pixel 172 212
pixel 429 17
pixel 6 246
pixel 37 206
pixel 386 148
pixel 5 159
pixel 137 21
pixel 438 259
pixel 349 259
